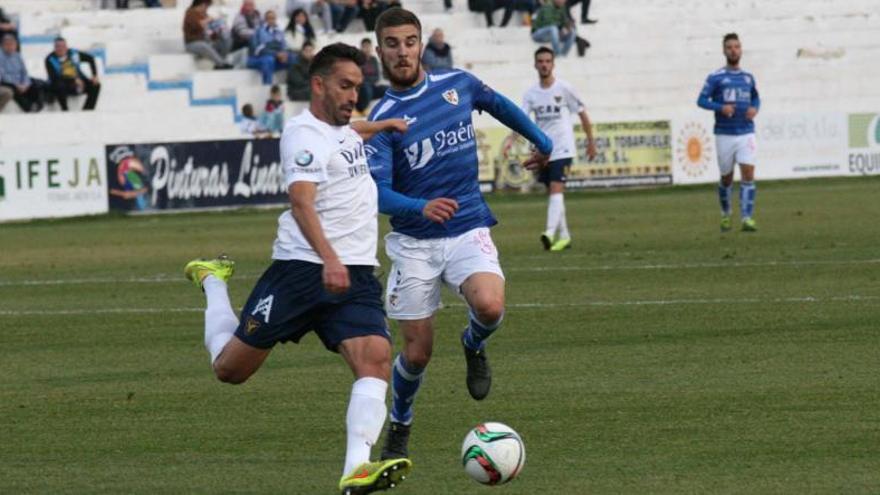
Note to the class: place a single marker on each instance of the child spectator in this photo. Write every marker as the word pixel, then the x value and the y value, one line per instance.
pixel 249 124
pixel 273 116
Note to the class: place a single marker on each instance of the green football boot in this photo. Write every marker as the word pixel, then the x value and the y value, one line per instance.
pixel 561 245
pixel 547 240
pixel 749 225
pixel 725 223
pixel 376 476
pixel 221 267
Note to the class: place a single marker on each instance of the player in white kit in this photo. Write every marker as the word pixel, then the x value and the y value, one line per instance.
pixel 321 278
pixel 553 101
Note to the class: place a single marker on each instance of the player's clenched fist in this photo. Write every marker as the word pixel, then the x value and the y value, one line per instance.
pixel 440 210
pixel 336 277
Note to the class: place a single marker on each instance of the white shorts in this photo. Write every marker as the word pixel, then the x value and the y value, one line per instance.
pixel 421 266
pixel 742 149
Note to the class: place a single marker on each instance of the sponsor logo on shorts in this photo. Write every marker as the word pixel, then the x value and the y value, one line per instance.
pixel 251 325
pixel 264 307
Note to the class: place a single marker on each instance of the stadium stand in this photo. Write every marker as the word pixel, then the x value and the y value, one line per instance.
pixel 648 61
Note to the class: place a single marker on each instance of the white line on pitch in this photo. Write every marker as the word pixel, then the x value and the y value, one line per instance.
pixel 579 304
pixel 169 278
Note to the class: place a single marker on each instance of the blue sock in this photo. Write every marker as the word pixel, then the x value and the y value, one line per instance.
pixel 724 193
pixel 476 333
pixel 746 199
pixel 405 382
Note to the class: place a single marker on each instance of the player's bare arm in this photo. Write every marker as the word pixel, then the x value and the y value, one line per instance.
pixel 588 129
pixel 367 129
pixel 302 207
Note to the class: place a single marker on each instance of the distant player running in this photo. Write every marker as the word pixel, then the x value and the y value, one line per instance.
pixel 322 277
pixel 553 101
pixel 732 94
pixel 428 183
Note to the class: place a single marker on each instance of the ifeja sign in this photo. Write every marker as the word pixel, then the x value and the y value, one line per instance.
pixel 53 182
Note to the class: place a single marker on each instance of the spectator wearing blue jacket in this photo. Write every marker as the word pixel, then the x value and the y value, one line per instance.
pixel 67 77
pixel 27 92
pixel 268 51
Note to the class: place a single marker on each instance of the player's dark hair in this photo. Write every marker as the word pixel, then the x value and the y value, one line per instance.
pixel 323 62
pixel 544 49
pixel 730 36
pixel 366 40
pixel 393 17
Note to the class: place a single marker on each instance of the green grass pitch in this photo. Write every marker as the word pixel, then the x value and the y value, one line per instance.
pixel 656 356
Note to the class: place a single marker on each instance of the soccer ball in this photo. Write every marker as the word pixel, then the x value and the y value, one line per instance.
pixel 493 453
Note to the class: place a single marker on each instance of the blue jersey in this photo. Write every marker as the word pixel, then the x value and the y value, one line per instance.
pixel 437 156
pixel 735 87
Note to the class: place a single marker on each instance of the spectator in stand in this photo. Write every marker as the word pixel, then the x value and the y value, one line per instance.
pixel 272 117
pixel 206 37
pixel 370 10
pixel 319 8
pixel 245 25
pixel 123 4
pixel 552 24
pixel 438 53
pixel 249 124
pixel 343 11
pixel 67 78
pixel 585 11
pixel 27 92
pixel 7 26
pixel 269 52
pixel 370 88
pixel 488 8
pixel 5 95
pixel 300 27
pixel 298 86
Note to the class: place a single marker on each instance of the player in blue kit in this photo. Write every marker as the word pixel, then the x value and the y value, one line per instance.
pixel 732 94
pixel 428 183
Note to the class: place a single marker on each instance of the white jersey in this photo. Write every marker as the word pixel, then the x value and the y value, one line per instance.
pixel 346 201
pixel 553 108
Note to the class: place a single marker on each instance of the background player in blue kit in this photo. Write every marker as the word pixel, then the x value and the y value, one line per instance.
pixel 732 94
pixel 428 183
pixel 321 278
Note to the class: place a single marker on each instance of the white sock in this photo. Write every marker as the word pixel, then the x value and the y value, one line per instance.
pixel 555 206
pixel 366 415
pixel 563 223
pixel 220 320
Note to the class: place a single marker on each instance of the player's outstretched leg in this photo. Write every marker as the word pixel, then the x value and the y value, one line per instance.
pixel 220 321
pixel 376 476
pixel 484 293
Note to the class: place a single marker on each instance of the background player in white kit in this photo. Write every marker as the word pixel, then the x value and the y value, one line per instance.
pixel 553 101
pixel 321 278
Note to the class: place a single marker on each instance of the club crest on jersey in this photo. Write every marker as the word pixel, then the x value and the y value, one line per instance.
pixel 451 96
pixel 558 99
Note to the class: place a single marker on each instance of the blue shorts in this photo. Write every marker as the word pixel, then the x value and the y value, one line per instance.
pixel 290 301
pixel 555 171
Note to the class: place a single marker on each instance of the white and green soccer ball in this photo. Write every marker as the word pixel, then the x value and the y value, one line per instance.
pixel 493 453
